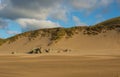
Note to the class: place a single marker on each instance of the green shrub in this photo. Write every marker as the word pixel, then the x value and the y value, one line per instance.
pixel 59 33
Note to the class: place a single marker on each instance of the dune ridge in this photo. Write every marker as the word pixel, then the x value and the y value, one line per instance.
pixel 102 38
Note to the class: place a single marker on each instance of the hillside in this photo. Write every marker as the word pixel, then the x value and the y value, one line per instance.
pixel 96 39
pixel 2 41
pixel 113 21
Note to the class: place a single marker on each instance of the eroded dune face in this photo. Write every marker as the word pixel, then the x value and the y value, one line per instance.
pixel 108 42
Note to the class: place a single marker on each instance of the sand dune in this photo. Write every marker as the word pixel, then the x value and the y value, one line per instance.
pixel 104 43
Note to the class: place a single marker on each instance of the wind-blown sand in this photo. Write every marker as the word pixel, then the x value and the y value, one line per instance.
pixel 59 66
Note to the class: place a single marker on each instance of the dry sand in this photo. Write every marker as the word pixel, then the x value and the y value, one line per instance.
pixel 59 66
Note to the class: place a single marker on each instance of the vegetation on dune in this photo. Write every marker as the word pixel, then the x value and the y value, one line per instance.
pixel 12 39
pixel 57 34
pixel 112 21
pixel 97 29
pixel 2 41
pixel 65 32
pixel 105 26
pixel 74 30
pixel 33 34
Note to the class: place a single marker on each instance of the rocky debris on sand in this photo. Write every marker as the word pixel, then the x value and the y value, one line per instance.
pixel 48 50
pixel 35 51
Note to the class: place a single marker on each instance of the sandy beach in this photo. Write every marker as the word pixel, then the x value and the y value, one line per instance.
pixel 59 66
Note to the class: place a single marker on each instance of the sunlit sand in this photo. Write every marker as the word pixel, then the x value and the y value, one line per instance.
pixel 59 66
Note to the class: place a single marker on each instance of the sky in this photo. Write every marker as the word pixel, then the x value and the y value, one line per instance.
pixel 18 16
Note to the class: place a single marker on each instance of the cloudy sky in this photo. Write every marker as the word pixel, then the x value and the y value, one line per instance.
pixel 17 16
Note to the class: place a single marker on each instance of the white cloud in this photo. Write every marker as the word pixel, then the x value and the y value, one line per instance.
pixel 12 32
pixel 2 4
pixel 59 13
pixel 37 9
pixel 33 24
pixel 88 5
pixel 78 22
pixel 118 3
pixel 41 9
pixel 99 16
pixel 3 24
pixel 83 4
pixel 106 2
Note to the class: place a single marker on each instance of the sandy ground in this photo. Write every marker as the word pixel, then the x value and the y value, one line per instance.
pixel 59 66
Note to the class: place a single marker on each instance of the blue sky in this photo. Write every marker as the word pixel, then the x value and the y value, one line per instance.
pixel 17 16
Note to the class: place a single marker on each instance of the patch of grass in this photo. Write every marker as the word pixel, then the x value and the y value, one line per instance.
pixel 110 21
pixel 12 39
pixel 58 34
pixel 33 35
pixel 110 24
